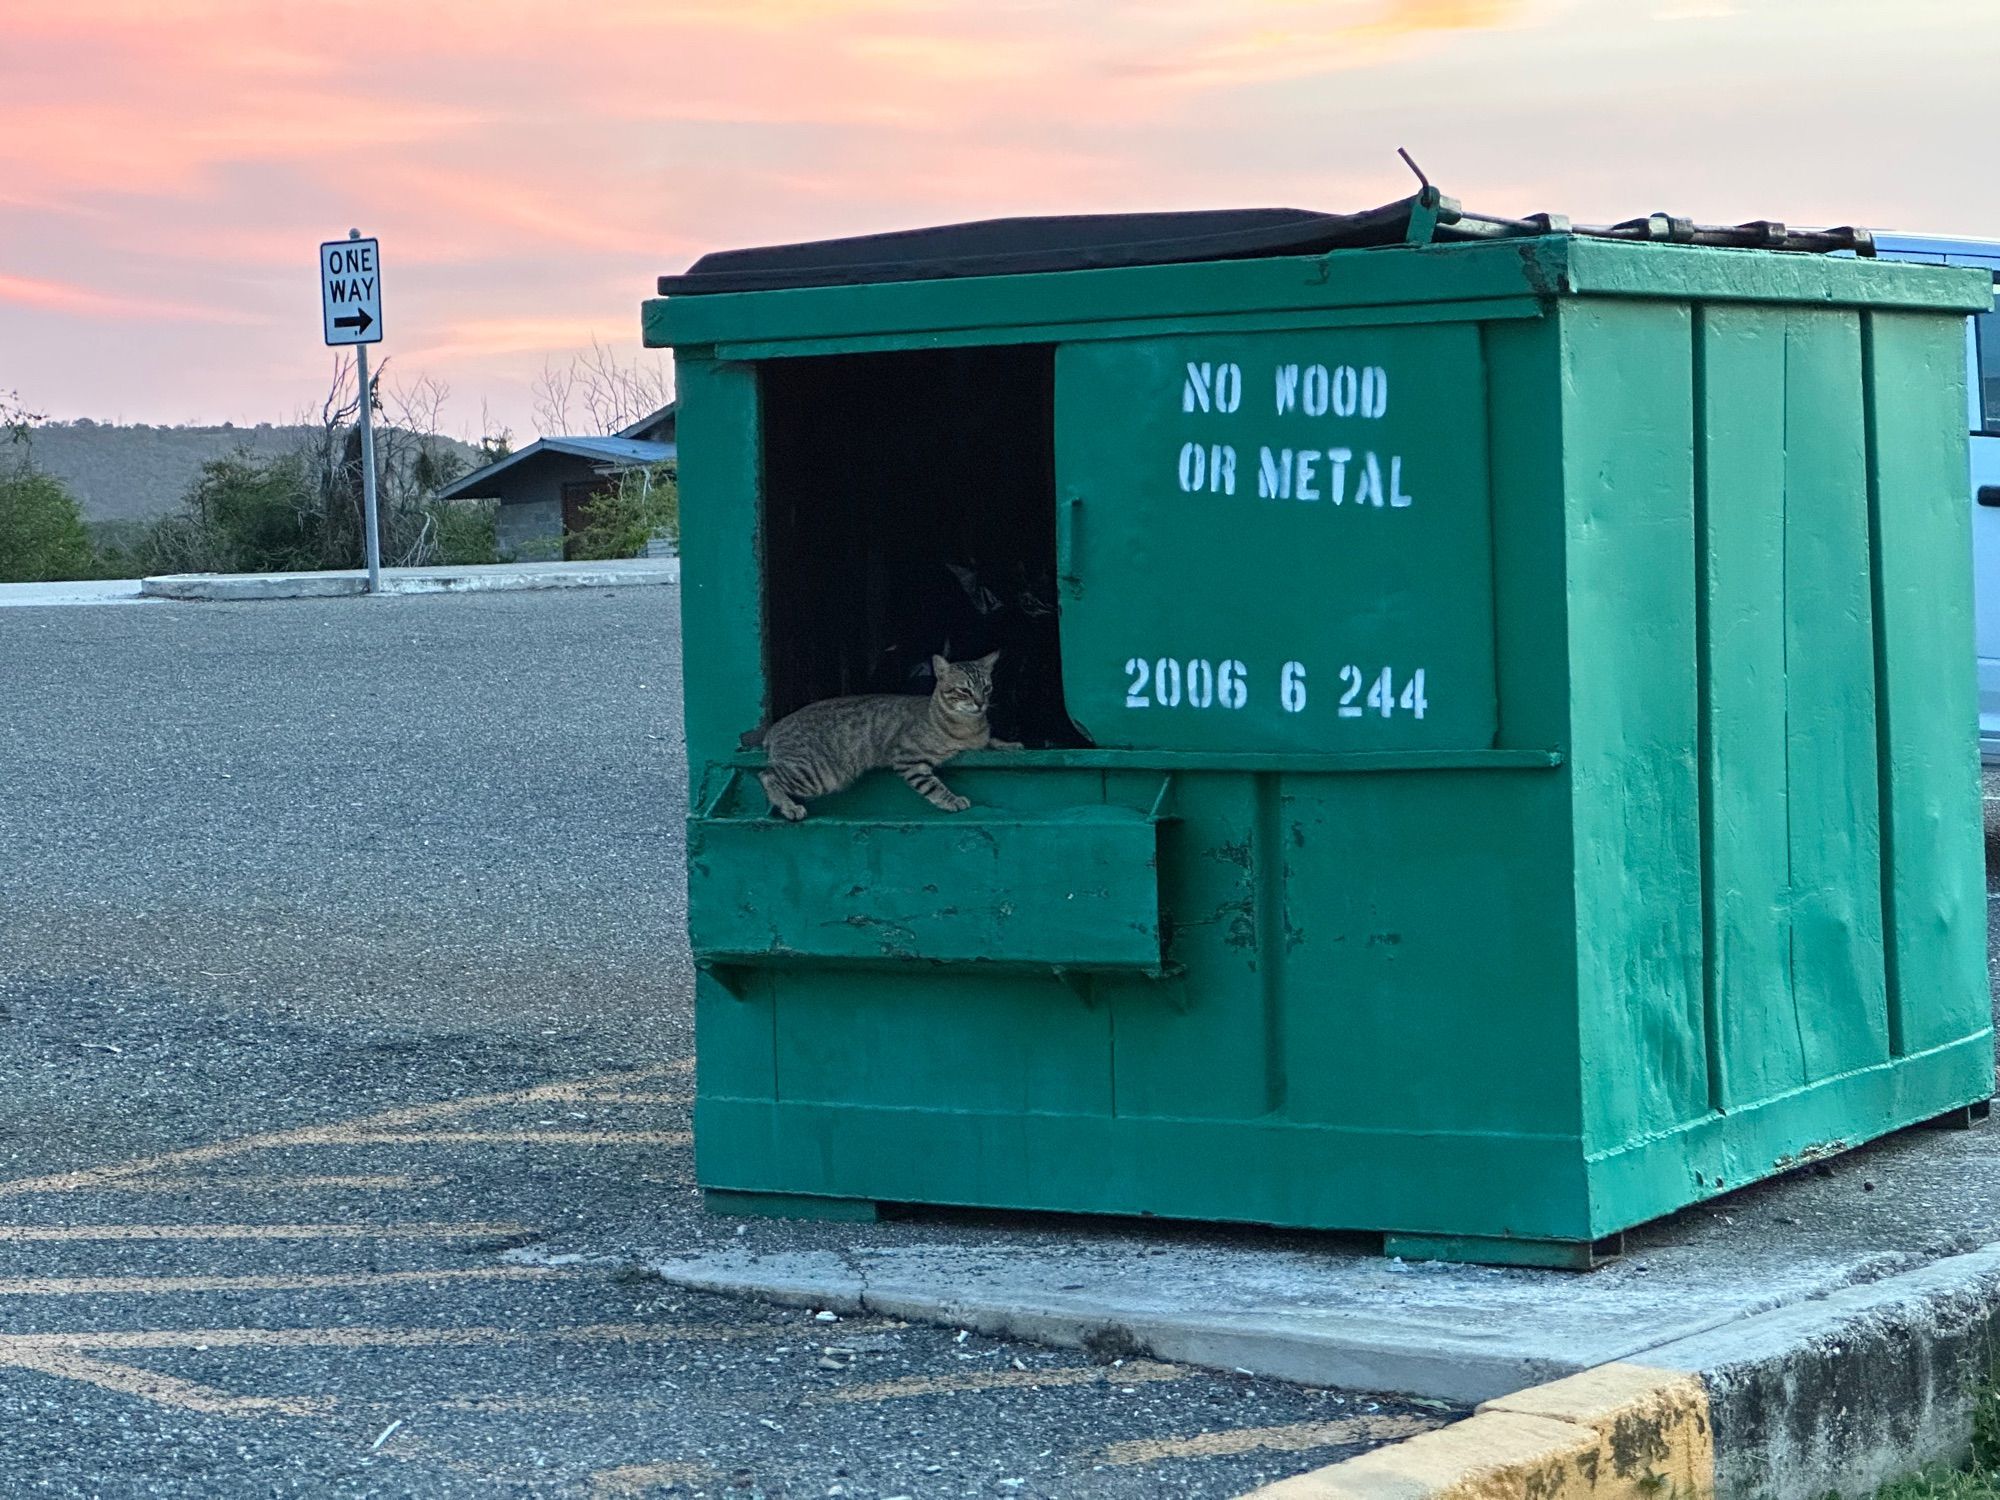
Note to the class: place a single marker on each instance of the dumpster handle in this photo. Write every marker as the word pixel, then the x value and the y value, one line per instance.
pixel 1069 524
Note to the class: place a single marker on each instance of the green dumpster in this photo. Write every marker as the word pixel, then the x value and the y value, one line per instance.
pixel 1499 708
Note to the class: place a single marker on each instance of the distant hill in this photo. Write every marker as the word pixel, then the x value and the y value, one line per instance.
pixel 135 473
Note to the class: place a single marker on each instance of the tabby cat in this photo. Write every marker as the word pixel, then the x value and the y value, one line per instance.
pixel 826 746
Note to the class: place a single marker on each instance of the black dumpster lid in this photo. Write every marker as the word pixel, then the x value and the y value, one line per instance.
pixel 1082 242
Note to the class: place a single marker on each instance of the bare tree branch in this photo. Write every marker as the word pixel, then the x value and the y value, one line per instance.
pixel 599 391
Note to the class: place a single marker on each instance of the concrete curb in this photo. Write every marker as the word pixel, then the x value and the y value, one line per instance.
pixel 1832 1397
pixel 500 577
pixel 1622 1431
pixel 1833 1394
pixel 71 592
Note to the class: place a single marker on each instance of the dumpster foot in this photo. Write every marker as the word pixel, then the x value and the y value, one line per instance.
pixel 1963 1118
pixel 789 1206
pixel 1474 1249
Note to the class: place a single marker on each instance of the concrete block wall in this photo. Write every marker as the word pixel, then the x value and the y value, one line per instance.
pixel 529 531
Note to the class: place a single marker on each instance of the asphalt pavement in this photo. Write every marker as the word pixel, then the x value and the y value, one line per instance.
pixel 343 958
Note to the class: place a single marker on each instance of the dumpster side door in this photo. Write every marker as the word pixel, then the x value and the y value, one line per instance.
pixel 1277 541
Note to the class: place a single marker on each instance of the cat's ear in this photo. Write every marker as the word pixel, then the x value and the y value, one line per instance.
pixel 939 666
pixel 985 663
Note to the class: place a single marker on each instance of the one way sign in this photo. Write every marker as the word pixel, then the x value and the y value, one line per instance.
pixel 350 286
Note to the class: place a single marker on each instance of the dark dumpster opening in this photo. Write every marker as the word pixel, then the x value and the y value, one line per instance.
pixel 909 509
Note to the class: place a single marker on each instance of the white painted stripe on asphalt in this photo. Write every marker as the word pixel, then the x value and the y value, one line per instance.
pixel 516 1138
pixel 385 1182
pixel 46 1232
pixel 165 1390
pixel 570 1090
pixel 1139 1372
pixel 1294 1437
pixel 351 1337
pixel 304 1281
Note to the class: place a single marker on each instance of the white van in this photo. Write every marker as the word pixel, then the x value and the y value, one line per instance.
pixel 1982 351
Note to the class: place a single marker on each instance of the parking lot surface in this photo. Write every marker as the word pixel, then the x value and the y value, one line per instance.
pixel 342 952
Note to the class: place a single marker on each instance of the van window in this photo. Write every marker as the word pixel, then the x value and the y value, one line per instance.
pixel 1987 339
pixel 1987 328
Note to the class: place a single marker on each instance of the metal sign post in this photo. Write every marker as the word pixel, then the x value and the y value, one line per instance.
pixel 374 532
pixel 350 284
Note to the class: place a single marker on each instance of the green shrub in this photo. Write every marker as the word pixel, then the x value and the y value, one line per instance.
pixel 120 547
pixel 1943 1484
pixel 619 523
pixel 42 534
pixel 463 531
pixel 1981 1481
pixel 264 513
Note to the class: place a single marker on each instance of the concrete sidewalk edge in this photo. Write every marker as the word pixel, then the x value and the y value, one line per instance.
pixel 1836 1396
pixel 245 587
pixel 1265 1346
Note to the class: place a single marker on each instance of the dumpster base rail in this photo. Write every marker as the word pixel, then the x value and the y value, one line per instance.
pixel 790 1206
pixel 1496 1250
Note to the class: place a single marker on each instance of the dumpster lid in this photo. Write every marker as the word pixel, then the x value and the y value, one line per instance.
pixel 1081 242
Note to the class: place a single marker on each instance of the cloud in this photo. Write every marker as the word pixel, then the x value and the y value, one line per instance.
pixel 1273 40
pixel 88 302
pixel 531 166
pixel 519 335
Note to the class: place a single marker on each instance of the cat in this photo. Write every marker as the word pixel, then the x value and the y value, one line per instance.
pixel 827 746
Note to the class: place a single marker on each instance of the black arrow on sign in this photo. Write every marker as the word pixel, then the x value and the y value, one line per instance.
pixel 360 322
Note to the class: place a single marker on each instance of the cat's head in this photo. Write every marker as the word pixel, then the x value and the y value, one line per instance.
pixel 964 687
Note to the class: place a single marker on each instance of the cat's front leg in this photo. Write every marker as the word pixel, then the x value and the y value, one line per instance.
pixel 782 801
pixel 992 744
pixel 920 775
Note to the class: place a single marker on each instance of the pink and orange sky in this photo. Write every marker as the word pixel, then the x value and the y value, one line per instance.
pixel 167 167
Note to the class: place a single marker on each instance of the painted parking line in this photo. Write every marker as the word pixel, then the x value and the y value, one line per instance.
pixel 364 1182
pixel 630 1098
pixel 515 1138
pixel 642 1479
pixel 499 1404
pixel 569 1091
pixel 163 1390
pixel 305 1281
pixel 46 1232
pixel 1290 1438
pixel 357 1337
pixel 1137 1373
pixel 74 1355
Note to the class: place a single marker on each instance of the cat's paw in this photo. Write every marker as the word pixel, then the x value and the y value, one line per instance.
pixel 793 813
pixel 952 802
pixel 1005 745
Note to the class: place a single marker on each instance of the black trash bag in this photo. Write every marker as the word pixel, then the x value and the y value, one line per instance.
pixel 968 609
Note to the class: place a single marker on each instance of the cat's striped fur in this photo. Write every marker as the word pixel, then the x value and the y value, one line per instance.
pixel 828 745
